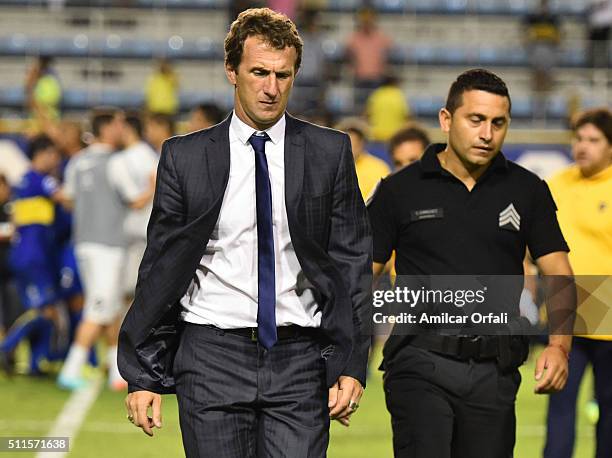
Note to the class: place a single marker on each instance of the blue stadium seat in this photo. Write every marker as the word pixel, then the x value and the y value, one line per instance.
pixel 389 6
pixel 426 105
pixel 521 107
pixel 573 57
pixel 557 107
pixel 12 97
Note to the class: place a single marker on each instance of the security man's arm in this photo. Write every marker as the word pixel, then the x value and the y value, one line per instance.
pixel 552 365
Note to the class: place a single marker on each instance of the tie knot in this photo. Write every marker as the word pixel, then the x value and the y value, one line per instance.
pixel 258 142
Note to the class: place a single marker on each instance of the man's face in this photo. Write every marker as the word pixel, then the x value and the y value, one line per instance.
pixel 112 133
pixel 476 130
pixel 366 20
pixel 51 159
pixel 591 149
pixel 357 143
pixel 263 82
pixel 130 135
pixel 198 121
pixel 406 153
pixel 155 133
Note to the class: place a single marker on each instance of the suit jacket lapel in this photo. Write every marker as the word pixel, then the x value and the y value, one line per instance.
pixel 218 159
pixel 294 167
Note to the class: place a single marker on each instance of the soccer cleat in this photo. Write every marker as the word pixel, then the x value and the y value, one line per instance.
pixel 7 364
pixel 70 383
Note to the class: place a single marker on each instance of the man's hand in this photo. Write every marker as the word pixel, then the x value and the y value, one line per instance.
pixel 551 370
pixel 137 404
pixel 344 397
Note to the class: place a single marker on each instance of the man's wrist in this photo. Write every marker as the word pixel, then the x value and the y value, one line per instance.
pixel 561 347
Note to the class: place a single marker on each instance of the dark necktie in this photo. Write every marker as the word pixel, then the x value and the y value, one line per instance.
pixel 266 289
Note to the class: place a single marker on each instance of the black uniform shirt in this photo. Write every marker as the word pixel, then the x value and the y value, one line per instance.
pixel 438 227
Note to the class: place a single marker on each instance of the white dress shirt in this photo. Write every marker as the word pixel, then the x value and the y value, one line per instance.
pixel 227 293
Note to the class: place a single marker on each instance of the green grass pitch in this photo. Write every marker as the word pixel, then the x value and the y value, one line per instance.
pixel 28 407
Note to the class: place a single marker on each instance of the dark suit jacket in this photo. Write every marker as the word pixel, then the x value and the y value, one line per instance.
pixel 329 229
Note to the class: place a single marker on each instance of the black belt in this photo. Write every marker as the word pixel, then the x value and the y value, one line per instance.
pixel 460 347
pixel 283 332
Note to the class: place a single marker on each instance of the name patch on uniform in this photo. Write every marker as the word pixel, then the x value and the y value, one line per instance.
pixel 429 213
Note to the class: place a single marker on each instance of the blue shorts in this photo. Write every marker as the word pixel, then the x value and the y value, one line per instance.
pixel 69 279
pixel 36 286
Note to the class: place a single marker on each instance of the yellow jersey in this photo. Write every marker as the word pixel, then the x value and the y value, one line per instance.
pixel 370 170
pixel 585 216
pixel 161 94
pixel 387 112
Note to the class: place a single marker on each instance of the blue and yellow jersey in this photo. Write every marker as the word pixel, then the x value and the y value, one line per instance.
pixel 33 214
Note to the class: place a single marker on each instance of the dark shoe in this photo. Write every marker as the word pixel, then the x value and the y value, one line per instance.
pixel 7 363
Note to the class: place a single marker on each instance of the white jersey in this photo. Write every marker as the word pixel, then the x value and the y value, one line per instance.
pixel 131 170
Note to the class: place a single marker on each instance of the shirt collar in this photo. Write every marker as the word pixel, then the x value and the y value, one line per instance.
pixel 243 131
pixel 430 164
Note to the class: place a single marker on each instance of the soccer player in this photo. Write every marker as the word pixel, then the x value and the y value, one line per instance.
pixel 133 170
pixel 32 252
pixel 101 201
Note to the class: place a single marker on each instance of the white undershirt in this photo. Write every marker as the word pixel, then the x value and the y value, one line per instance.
pixel 227 296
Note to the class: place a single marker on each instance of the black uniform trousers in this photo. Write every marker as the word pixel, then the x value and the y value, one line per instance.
pixel 238 400
pixel 445 408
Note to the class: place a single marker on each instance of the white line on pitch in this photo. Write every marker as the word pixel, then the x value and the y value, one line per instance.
pixel 68 422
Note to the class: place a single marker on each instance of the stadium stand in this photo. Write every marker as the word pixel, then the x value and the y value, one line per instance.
pixel 104 53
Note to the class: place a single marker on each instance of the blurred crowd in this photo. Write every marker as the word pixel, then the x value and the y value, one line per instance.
pixel 59 174
pixel 377 88
pixel 100 174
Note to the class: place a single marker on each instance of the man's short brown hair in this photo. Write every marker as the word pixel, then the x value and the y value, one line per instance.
pixel 274 28
pixel 102 116
pixel 601 118
pixel 412 133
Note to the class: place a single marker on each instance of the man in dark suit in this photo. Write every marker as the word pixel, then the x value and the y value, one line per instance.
pixel 253 295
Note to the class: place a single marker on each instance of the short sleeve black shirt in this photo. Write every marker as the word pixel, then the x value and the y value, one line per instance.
pixel 438 227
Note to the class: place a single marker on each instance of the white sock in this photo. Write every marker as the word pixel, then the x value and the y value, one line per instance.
pixel 111 362
pixel 74 362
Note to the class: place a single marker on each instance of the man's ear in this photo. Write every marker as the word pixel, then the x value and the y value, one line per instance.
pixel 231 74
pixel 446 118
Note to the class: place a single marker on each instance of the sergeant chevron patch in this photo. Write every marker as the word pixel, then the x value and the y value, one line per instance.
pixel 510 219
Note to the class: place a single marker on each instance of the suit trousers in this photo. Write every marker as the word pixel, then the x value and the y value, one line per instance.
pixel 445 408
pixel 238 400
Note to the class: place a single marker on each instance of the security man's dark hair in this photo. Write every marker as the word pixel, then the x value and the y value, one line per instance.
pixel 134 122
pixel 211 111
pixel 600 118
pixel 475 79
pixel 409 134
pixel 101 117
pixel 39 144
pixel 274 28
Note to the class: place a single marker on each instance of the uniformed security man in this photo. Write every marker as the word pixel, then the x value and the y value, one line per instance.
pixel 453 395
